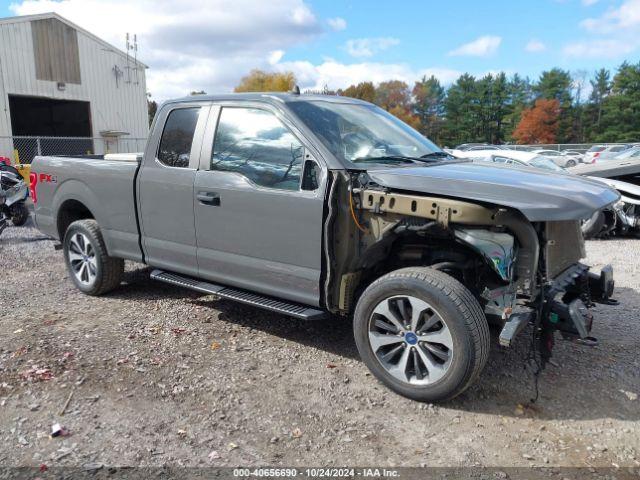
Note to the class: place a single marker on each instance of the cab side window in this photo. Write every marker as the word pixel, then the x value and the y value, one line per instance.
pixel 177 137
pixel 256 144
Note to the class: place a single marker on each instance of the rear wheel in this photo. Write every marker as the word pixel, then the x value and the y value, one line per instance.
pixel 90 268
pixel 421 333
pixel 570 163
pixel 19 214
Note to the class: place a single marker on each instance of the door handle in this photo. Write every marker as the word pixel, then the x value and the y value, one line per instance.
pixel 209 198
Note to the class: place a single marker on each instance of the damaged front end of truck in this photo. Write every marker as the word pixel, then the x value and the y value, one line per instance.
pixel 518 250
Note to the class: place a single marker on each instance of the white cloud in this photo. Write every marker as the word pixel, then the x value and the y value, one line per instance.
pixel 600 48
pixel 588 3
pixel 192 44
pixel 612 35
pixel 340 75
pixel 535 46
pixel 368 47
pixel 480 47
pixel 336 24
pixel 275 56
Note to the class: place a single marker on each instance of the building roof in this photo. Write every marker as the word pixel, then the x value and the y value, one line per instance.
pixel 42 16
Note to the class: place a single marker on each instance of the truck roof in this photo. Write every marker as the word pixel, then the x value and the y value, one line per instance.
pixel 271 97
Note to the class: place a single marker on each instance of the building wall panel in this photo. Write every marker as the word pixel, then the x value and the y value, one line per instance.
pixel 118 103
pixel 55 51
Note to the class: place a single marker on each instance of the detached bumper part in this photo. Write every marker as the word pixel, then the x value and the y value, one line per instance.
pixel 601 286
pixel 573 319
pixel 514 325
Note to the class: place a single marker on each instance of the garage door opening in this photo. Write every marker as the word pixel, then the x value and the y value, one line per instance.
pixel 41 122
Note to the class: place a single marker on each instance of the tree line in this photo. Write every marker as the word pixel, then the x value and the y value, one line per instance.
pixel 499 109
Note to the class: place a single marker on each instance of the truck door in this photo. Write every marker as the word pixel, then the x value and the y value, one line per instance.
pixel 259 198
pixel 165 188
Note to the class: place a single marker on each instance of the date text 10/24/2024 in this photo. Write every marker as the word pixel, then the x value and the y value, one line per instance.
pixel 316 472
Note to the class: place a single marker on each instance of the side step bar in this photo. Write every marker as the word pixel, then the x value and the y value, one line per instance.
pixel 302 312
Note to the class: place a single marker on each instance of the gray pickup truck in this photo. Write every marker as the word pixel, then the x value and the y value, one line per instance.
pixel 318 205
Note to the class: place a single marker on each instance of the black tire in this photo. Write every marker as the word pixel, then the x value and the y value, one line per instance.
pixel 570 163
pixel 459 309
pixel 108 270
pixel 592 227
pixel 19 214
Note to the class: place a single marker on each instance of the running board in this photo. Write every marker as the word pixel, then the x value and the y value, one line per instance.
pixel 268 303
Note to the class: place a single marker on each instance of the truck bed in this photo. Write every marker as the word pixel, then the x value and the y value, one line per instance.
pixel 106 185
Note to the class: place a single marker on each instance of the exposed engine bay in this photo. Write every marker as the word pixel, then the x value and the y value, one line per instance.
pixel 521 272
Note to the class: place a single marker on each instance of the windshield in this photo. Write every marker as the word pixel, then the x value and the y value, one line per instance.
pixel 596 149
pixel 541 162
pixel 362 133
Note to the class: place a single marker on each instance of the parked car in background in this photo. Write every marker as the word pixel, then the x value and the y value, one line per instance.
pixel 593 153
pixel 604 152
pixel 576 154
pixel 513 158
pixel 633 152
pixel 467 146
pixel 559 158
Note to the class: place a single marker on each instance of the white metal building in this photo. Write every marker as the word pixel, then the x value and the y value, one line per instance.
pixel 59 80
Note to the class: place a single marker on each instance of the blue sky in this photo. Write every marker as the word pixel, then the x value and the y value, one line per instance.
pixel 337 43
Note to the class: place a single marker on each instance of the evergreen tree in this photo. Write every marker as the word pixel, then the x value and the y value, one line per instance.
pixel 429 97
pixel 520 96
pixel 492 94
pixel 600 88
pixel 461 105
pixel 620 120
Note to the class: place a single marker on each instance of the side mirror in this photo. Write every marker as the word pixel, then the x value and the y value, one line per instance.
pixel 310 174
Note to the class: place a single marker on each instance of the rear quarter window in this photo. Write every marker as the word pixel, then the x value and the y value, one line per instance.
pixel 177 137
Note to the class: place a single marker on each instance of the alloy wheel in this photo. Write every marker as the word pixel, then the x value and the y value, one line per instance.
pixel 411 340
pixel 82 258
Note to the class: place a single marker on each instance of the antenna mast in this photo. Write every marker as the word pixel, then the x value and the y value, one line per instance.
pixel 128 67
pixel 135 56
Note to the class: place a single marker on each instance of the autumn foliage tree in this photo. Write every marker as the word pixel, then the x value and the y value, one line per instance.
pixel 395 97
pixel 260 81
pixel 364 91
pixel 539 124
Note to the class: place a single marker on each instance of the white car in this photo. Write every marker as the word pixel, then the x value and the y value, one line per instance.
pixel 512 158
pixel 604 152
pixel 633 152
pixel 559 158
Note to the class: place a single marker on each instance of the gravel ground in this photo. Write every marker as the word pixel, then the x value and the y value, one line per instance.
pixel 156 375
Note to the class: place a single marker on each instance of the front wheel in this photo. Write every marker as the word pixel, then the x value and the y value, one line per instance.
pixel 91 269
pixel 421 333
pixel 19 214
